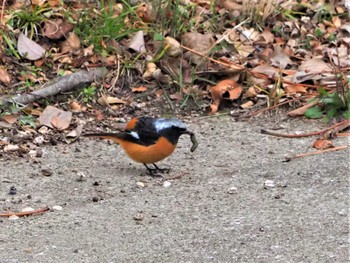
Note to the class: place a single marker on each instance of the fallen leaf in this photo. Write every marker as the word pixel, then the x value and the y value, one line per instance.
pixel 62 120
pixel 5 76
pixel 322 144
pixel 268 36
pixel 75 106
pixel 10 148
pixel 71 44
pixel 295 89
pixel 174 47
pixel 10 118
pixel 247 104
pixel 336 21
pixel 244 50
pixel 225 89
pixel 54 117
pixel 57 28
pixel 145 12
pixel 250 93
pixel 267 70
pixel 105 100
pixel 279 58
pixel 198 42
pixel 315 65
pixel 137 42
pixel 28 48
pixel 150 68
pixel 139 89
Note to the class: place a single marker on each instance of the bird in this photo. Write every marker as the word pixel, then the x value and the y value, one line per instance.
pixel 148 140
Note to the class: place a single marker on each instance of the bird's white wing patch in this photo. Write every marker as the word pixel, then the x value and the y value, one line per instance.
pixel 135 135
pixel 162 123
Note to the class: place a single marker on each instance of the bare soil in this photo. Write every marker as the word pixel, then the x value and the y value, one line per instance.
pixel 216 209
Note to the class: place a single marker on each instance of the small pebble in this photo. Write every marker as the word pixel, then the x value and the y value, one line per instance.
pixel 269 184
pixel 139 216
pixel 28 209
pixel 232 190
pixel 140 184
pixel 13 190
pixel 46 172
pixel 166 183
pixel 13 217
pixel 81 177
pixel 57 208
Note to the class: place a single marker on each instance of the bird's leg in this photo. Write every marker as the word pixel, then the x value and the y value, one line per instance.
pixel 161 170
pixel 152 172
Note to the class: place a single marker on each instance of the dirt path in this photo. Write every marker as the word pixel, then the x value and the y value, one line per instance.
pixel 217 211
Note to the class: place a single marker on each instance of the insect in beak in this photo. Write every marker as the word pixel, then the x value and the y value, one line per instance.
pixel 193 140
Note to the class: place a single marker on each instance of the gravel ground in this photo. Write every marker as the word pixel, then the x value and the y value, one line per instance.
pixel 232 200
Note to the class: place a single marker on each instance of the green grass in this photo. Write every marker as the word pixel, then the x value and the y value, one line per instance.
pixel 100 27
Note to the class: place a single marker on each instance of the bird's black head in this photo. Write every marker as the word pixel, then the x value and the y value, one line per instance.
pixel 171 129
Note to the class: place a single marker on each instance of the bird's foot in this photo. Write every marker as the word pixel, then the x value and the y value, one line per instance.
pixel 156 171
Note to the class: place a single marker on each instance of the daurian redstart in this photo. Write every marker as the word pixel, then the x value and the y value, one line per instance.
pixel 149 140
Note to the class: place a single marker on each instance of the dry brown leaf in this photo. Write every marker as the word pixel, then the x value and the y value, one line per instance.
pixel 62 120
pixel 54 117
pixel 295 89
pixel 76 132
pixel 225 89
pixel 105 100
pixel 268 36
pixel 198 42
pixel 244 50
pixel 57 28
pixel 247 104
pixel 315 65
pixel 174 46
pixel 267 70
pixel 176 96
pixel 336 21
pixel 5 77
pixel 75 106
pixel 139 89
pixel 54 3
pixel 71 44
pixel 38 2
pixel 322 144
pixel 249 34
pixel 11 118
pixel 145 12
pixel 150 68
pixel 250 93
pixel 279 58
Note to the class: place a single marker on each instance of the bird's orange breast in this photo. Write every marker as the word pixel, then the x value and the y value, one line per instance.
pixel 147 154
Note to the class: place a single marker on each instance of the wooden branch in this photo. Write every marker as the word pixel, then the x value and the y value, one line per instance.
pixel 316 152
pixel 333 129
pixel 38 211
pixel 62 84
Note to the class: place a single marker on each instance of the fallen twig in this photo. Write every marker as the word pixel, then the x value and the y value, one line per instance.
pixel 61 84
pixel 328 131
pixel 229 65
pixel 28 213
pixel 316 152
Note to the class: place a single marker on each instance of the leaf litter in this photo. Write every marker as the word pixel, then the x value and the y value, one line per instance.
pixel 247 56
